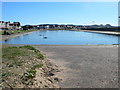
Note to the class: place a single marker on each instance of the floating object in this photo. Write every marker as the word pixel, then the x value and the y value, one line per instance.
pixel 44 37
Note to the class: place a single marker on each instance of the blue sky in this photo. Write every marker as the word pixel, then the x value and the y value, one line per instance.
pixel 61 12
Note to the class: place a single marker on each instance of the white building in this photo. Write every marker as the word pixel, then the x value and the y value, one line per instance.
pixel 9 26
pixel 2 25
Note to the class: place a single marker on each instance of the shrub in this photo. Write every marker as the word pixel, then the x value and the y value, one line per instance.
pixel 37 66
pixel 37 51
pixel 40 56
pixel 30 74
pixel 28 47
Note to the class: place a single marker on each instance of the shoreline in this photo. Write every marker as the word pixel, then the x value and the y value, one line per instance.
pixel 103 32
pixel 65 45
pixel 5 37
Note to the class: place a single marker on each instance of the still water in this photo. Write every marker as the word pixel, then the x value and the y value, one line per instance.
pixel 63 37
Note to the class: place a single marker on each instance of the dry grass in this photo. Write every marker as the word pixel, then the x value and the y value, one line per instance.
pixel 19 65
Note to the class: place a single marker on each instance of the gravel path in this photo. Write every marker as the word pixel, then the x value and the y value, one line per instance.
pixel 85 66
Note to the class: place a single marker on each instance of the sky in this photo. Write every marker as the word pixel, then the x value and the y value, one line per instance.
pixel 119 13
pixel 78 13
pixel 59 0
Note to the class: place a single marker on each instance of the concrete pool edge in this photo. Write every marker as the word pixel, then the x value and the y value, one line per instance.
pixel 103 32
pixel 65 45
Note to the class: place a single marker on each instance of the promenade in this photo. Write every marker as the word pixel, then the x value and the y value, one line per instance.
pixel 103 32
pixel 85 66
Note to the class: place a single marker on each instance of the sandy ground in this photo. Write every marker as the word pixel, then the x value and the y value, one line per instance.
pixel 14 77
pixel 85 66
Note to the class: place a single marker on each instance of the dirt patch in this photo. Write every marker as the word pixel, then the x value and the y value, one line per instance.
pixel 27 67
pixel 46 77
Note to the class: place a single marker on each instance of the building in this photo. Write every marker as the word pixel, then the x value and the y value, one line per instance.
pixel 2 25
pixel 9 25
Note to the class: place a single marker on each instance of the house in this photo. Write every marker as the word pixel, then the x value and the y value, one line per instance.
pixel 2 25
pixel 9 26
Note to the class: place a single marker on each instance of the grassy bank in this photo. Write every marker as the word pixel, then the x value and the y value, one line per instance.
pixel 26 67
pixel 19 65
pixel 16 31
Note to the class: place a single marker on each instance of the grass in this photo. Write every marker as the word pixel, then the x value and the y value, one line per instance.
pixel 20 63
pixel 20 31
pixel 37 66
pixel 29 74
pixel 39 55
pixel 15 31
pixel 11 31
pixel 13 52
pixel 1 32
pixel 28 47
pixel 6 74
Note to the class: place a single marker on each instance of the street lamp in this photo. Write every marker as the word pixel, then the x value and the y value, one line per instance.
pixel 93 22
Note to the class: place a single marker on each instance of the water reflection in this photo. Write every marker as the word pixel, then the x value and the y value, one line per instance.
pixel 6 40
pixel 25 34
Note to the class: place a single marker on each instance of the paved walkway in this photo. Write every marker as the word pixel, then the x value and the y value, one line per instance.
pixel 104 32
pixel 85 66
